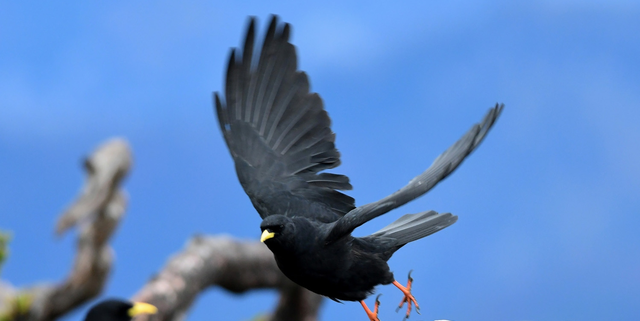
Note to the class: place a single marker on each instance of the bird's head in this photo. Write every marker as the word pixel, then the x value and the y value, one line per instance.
pixel 277 229
pixel 118 310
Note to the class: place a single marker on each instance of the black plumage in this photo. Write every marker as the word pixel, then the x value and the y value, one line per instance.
pixel 118 310
pixel 280 138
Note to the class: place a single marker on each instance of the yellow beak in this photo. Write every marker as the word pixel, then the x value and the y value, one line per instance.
pixel 142 308
pixel 266 235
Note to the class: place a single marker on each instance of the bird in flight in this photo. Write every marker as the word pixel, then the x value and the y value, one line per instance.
pixel 281 141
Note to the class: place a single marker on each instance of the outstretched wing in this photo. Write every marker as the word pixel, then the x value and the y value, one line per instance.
pixel 444 165
pixel 278 133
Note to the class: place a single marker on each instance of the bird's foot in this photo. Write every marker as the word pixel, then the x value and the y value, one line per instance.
pixel 408 297
pixel 373 316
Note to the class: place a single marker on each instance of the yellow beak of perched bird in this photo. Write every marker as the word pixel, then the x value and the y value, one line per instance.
pixel 118 310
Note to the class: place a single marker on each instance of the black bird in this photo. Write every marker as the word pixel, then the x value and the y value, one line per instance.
pixel 118 310
pixel 280 139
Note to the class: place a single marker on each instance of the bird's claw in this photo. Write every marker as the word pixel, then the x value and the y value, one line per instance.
pixel 408 297
pixel 373 316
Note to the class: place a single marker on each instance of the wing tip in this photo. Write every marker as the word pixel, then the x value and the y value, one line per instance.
pixel 273 20
pixel 217 100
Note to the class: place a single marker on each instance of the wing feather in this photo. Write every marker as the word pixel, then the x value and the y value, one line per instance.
pixel 443 165
pixel 278 133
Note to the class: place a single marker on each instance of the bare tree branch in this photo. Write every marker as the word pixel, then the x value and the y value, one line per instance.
pixel 206 261
pixel 96 212
pixel 105 168
pixel 234 265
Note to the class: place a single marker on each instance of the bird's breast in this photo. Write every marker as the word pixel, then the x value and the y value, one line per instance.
pixel 334 272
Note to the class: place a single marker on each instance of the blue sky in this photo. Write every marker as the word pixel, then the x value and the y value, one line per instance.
pixel 548 205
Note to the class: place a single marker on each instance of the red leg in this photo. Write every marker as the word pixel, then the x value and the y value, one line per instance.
pixel 408 297
pixel 373 316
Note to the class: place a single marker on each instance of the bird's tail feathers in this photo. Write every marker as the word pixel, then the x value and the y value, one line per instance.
pixel 411 227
